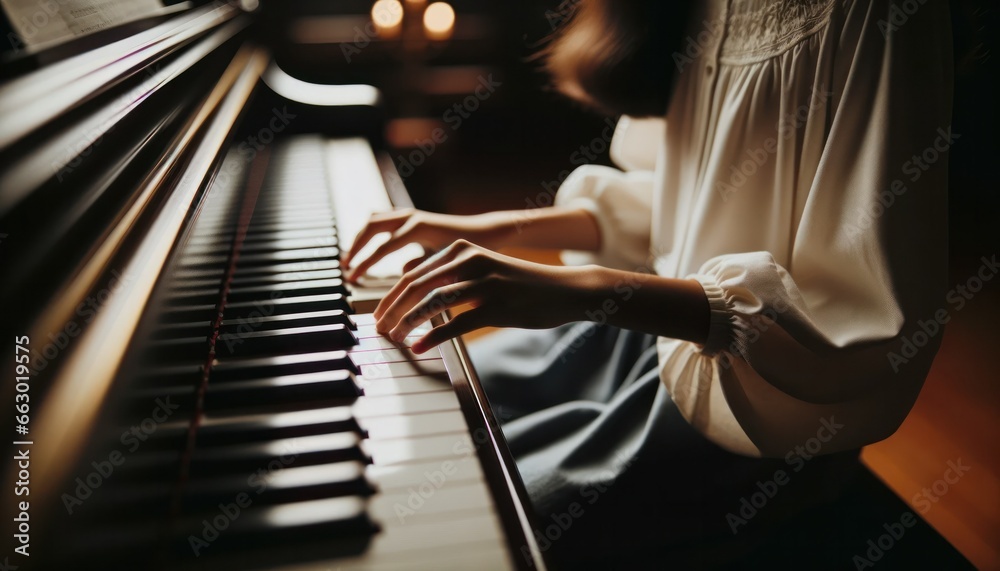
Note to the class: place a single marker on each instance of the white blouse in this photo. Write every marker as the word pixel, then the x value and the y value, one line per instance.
pixel 803 182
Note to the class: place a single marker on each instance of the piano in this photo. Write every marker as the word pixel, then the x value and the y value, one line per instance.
pixel 203 389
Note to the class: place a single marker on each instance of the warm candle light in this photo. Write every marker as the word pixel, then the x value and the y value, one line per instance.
pixel 387 16
pixel 439 21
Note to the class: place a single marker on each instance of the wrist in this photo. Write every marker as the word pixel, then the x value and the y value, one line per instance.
pixel 593 287
pixel 497 229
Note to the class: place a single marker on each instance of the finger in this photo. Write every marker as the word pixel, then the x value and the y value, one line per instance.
pixel 439 300
pixel 416 290
pixel 459 325
pixel 409 266
pixel 377 224
pixel 395 242
pixel 433 262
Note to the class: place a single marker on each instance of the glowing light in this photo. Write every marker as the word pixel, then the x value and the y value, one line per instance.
pixel 387 16
pixel 439 21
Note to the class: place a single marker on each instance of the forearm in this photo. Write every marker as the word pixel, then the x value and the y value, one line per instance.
pixel 555 227
pixel 664 307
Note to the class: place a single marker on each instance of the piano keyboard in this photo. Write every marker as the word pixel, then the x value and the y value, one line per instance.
pixel 262 420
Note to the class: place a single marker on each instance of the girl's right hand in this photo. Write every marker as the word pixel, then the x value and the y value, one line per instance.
pixel 430 230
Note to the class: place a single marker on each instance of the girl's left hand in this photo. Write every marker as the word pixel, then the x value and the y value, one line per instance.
pixel 504 292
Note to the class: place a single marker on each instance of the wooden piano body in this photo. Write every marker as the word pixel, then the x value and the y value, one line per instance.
pixel 203 391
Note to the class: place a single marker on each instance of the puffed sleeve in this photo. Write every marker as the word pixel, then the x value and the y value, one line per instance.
pixel 619 199
pixel 857 314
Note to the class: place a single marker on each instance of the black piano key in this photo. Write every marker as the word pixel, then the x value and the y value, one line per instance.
pixel 160 375
pixel 251 310
pixel 277 393
pixel 285 277
pixel 301 451
pixel 210 250
pixel 207 261
pixel 245 369
pixel 267 236
pixel 288 238
pixel 264 218
pixel 200 329
pixel 255 535
pixel 286 267
pixel 223 427
pixel 256 246
pixel 224 430
pixel 288 289
pixel 244 458
pixel 284 226
pixel 267 487
pixel 285 341
pixel 287 321
pixel 194 286
pixel 293 484
pixel 189 284
pixel 199 273
pixel 203 313
pixel 265 536
pixel 297 255
pixel 207 296
pixel 309 388
pixel 184 349
pixel 261 426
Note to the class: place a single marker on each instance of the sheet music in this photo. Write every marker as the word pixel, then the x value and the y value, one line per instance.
pixel 40 22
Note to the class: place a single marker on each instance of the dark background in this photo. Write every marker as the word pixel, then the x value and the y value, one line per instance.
pixel 524 134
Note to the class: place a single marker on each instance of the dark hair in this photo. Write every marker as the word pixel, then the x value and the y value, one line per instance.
pixel 615 55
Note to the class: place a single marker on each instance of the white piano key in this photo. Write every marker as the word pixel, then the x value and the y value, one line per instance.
pixel 418 504
pixel 402 385
pixel 413 425
pixel 380 342
pixel 404 369
pixel 480 556
pixel 408 450
pixel 401 476
pixel 393 405
pixel 375 356
pixel 365 319
pixel 459 544
pixel 368 330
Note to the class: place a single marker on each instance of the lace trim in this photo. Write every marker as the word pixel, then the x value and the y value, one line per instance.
pixel 760 29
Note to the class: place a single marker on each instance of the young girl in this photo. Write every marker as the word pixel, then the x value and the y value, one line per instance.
pixel 760 286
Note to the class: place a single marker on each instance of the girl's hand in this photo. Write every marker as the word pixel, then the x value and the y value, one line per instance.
pixel 504 292
pixel 430 230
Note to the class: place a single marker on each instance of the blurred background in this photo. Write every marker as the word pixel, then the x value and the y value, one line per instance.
pixel 474 126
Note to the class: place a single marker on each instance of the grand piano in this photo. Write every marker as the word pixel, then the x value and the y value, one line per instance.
pixel 202 389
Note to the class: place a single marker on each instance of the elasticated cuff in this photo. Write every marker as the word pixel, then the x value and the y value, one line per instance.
pixel 722 318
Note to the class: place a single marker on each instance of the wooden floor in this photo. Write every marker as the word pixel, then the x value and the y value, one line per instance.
pixel 955 418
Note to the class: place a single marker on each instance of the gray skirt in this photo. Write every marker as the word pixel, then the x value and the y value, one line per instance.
pixel 617 477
